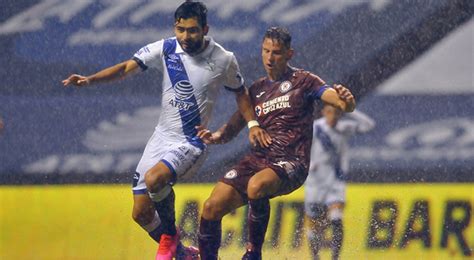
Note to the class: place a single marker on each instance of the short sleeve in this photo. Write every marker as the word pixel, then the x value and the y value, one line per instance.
pixel 233 79
pixel 317 86
pixel 349 127
pixel 150 56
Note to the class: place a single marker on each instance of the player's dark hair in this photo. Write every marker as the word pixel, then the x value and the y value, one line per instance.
pixel 190 9
pixel 279 34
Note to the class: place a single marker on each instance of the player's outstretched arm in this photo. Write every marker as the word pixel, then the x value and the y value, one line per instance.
pixel 257 135
pixel 340 97
pixel 118 71
pixel 363 122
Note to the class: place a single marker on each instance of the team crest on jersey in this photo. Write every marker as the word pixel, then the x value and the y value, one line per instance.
pixel 285 86
pixel 231 174
pixel 258 110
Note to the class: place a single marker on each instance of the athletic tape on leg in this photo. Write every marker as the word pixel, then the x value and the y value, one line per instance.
pixel 335 214
pixel 153 224
pixel 160 195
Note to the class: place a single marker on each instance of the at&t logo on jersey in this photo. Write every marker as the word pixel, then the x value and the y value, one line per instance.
pixel 272 105
pixel 183 93
pixel 183 90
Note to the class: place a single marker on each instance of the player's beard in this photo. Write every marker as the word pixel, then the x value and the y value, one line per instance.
pixel 192 47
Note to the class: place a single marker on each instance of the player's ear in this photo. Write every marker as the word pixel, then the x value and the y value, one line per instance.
pixel 205 29
pixel 290 53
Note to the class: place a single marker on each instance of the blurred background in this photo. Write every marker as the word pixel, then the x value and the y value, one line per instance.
pixel 66 150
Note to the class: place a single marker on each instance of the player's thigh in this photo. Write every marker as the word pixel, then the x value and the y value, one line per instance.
pixel 184 160
pixel 160 174
pixel 223 199
pixel 143 209
pixel 263 184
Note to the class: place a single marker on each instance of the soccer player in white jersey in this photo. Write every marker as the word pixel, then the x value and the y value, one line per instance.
pixel 194 68
pixel 325 185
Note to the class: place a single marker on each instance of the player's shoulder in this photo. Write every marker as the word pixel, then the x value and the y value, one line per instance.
pixel 258 83
pixel 307 76
pixel 319 122
pixel 157 44
pixel 220 51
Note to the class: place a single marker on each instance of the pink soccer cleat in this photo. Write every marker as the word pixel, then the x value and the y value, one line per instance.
pixel 167 247
pixel 187 252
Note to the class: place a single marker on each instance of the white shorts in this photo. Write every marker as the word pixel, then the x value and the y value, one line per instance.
pixel 183 159
pixel 324 195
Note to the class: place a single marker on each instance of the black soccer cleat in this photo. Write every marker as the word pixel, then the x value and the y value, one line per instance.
pixel 252 255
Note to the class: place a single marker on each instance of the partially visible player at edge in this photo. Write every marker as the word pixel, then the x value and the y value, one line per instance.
pixel 283 103
pixel 325 186
pixel 194 69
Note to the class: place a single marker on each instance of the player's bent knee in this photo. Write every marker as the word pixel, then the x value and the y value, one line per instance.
pixel 142 216
pixel 212 210
pixel 256 190
pixel 154 180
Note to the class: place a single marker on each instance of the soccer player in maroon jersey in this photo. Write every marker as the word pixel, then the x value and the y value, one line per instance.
pixel 278 163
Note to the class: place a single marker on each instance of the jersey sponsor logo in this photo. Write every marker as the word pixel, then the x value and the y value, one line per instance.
pixel 142 50
pixel 180 104
pixel 272 105
pixel 183 93
pixel 287 166
pixel 285 86
pixel 260 94
pixel 239 78
pixel 183 89
pixel 231 174
pixel 258 110
pixel 173 66
pixel 136 177
pixel 210 65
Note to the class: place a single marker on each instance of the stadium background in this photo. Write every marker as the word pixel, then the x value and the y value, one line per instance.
pixel 66 155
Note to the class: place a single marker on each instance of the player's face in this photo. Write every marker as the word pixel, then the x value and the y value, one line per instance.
pixel 332 115
pixel 190 35
pixel 275 57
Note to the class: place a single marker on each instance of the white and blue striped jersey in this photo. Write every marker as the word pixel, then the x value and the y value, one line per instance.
pixel 190 83
pixel 329 156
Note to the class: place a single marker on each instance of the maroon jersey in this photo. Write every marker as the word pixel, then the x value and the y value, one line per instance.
pixel 284 109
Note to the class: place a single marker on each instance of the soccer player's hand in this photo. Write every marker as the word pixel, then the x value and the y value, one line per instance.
pixel 76 80
pixel 346 95
pixel 259 136
pixel 207 137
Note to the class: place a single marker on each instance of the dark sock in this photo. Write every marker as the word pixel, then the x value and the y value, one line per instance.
pixel 209 238
pixel 338 235
pixel 165 209
pixel 156 234
pixel 315 242
pixel 259 214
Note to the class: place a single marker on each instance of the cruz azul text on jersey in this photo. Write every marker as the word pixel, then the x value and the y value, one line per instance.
pixel 273 104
